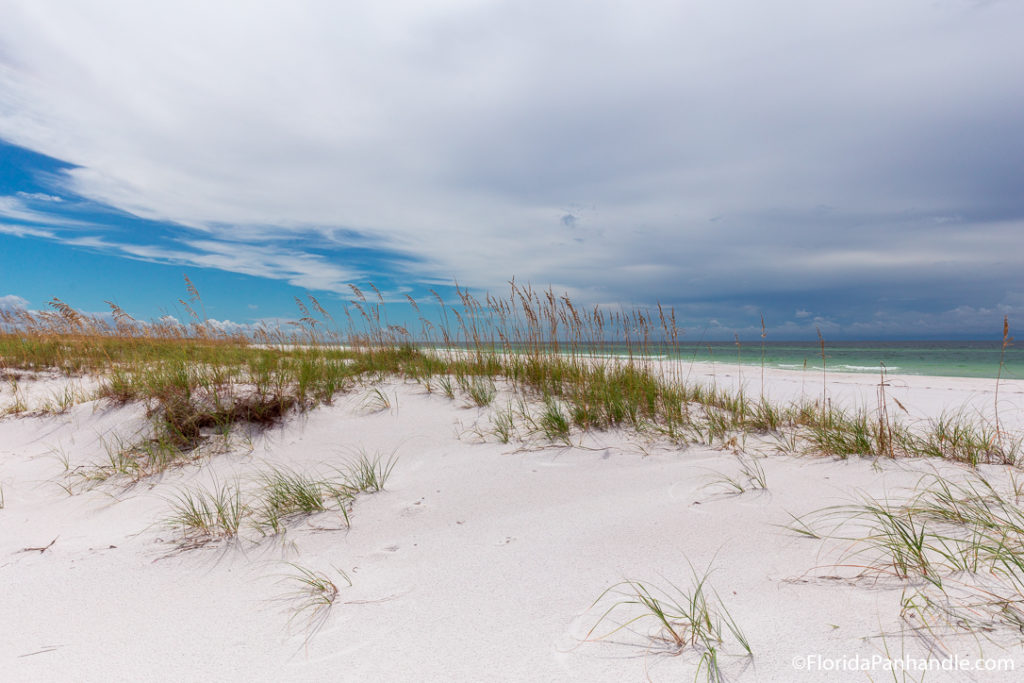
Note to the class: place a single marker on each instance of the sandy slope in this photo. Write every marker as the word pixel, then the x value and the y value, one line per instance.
pixel 480 561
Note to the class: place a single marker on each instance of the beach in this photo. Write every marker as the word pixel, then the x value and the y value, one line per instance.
pixel 479 560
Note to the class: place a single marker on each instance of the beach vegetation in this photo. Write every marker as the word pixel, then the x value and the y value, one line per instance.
pixel 368 473
pixel 209 513
pixel 961 539
pixel 312 595
pixel 692 620
pixel 582 369
pixel 751 477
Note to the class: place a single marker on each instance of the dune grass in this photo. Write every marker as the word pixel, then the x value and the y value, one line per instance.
pixel 368 473
pixel 958 544
pixel 286 494
pixel 693 620
pixel 209 513
pixel 198 382
pixel 751 477
pixel 275 498
pixel 312 595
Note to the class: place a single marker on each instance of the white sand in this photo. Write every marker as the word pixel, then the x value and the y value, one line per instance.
pixel 480 561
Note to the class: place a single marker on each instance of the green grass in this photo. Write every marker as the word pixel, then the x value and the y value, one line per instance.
pixel 312 595
pixel 377 401
pixel 215 513
pixel 368 473
pixel 503 424
pixel 481 391
pixel 286 493
pixel 964 539
pixel 751 477
pixel 553 422
pixel 691 620
pixel 198 383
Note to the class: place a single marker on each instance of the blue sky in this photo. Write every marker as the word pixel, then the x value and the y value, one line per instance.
pixel 850 166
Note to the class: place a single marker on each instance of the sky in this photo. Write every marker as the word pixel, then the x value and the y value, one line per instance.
pixel 850 166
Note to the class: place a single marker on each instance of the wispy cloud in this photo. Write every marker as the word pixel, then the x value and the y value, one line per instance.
pixel 302 269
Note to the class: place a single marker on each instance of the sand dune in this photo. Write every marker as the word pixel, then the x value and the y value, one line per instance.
pixel 478 561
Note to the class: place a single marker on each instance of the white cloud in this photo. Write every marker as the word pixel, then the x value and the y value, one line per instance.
pixel 299 268
pixel 229 327
pixel 22 231
pixel 13 302
pixel 459 132
pixel 14 207
pixel 40 197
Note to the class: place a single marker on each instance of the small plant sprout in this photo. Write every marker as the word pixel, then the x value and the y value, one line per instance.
pixel 482 391
pixel 692 620
pixel 369 473
pixel 314 594
pixel 751 477
pixel 553 422
pixel 503 422
pixel 377 401
pixel 209 514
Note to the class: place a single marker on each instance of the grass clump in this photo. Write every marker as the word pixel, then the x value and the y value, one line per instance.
pixel 751 477
pixel 286 493
pixel 553 422
pixel 693 620
pixel 377 401
pixel 312 596
pixel 207 514
pixel 964 539
pixel 369 473
pixel 503 424
pixel 481 391
pixel 959 438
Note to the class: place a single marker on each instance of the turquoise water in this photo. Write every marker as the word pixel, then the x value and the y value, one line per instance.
pixel 942 358
pixel 935 358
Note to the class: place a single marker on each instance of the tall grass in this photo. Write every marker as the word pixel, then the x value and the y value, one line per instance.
pixel 587 369
pixel 1007 341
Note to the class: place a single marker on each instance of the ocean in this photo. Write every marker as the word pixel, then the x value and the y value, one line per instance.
pixel 937 358
pixel 933 358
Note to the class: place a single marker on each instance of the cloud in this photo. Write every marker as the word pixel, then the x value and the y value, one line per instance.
pixel 22 231
pixel 40 197
pixel 229 327
pixel 725 152
pixel 13 302
pixel 295 266
pixel 17 208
